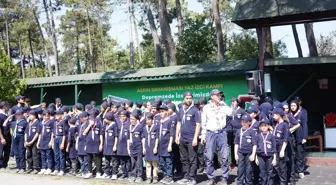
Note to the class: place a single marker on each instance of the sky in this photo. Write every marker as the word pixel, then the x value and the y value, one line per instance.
pixel 120 29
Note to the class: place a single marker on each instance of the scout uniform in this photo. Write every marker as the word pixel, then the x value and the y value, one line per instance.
pixel 166 131
pixel 33 129
pixel 150 137
pixel 5 151
pixel 122 153
pixel 280 132
pixel 266 148
pixel 59 132
pixel 135 148
pixel 111 160
pixel 93 143
pixel 46 151
pixel 245 140
pixel 19 126
pixel 255 124
pixel 71 148
pixel 81 143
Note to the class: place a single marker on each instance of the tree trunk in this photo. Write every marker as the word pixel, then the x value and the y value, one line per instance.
pixel 44 44
pixel 53 34
pixel 268 42
pixel 297 41
pixel 131 45
pixel 92 62
pixel 155 35
pixel 32 52
pixel 102 43
pixel 311 40
pixel 77 52
pixel 179 17
pixel 136 34
pixel 7 39
pixel 166 33
pixel 21 60
pixel 219 32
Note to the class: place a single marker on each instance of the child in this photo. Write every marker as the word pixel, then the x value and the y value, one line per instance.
pixel 266 153
pixel 150 142
pixel 110 146
pixel 166 138
pixel 32 133
pixel 45 144
pixel 81 143
pixel 280 132
pixel 71 146
pixel 94 144
pixel 245 150
pixel 122 149
pixel 134 146
pixel 59 137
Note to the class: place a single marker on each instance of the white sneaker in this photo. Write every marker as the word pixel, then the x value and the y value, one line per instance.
pixel 54 173
pixel 99 176
pixel 105 176
pixel 47 172
pixel 41 172
pixel 114 177
pixel 88 176
pixel 61 173
pixel 301 175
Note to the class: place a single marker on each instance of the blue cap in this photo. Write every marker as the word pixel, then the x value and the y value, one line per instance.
pixel 267 121
pixel 136 114
pixel 51 111
pixel 58 100
pixel 172 106
pixel 26 108
pixel 297 98
pixel 123 112
pixel 52 106
pixel 277 104
pixel 3 104
pixel 284 104
pixel 254 103
pixel 138 103
pixel 19 111
pixel 252 109
pixel 246 117
pixel 45 112
pixel 38 110
pixel 65 108
pixel 214 92
pixel 129 103
pixel 149 115
pixel 79 106
pixel 88 107
pixel 33 113
pixel 104 105
pixel 163 107
pixel 83 114
pixel 187 94
pixel 109 116
pixel 73 120
pixel 59 112
pixel 278 111
pixel 19 97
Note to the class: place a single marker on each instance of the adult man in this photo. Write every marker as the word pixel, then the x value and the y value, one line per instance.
pixel 187 133
pixel 20 104
pixel 5 136
pixel 58 103
pixel 214 134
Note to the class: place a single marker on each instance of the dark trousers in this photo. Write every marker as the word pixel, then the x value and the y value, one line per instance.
pixel 215 141
pixel 46 159
pixel 6 149
pixel 125 162
pixel 137 166
pixel 97 159
pixel 291 162
pixel 231 137
pixel 83 161
pixel 200 155
pixel 244 169
pixel 111 165
pixel 19 152
pixel 256 173
pixel 300 157
pixel 74 165
pixel 59 154
pixel 166 165
pixel 281 171
pixel 177 158
pixel 188 155
pixel 266 170
pixel 1 155
pixel 33 157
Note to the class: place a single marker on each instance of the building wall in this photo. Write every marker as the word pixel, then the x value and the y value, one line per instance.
pixel 174 89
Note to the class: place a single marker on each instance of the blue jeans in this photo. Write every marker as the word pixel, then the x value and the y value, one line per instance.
pixel 59 154
pixel 46 159
pixel 19 152
pixel 216 141
pixel 83 163
pixel 166 165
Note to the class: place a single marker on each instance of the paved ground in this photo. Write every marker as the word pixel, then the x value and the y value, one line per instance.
pixel 317 176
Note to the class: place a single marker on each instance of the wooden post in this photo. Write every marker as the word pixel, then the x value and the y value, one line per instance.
pixel 76 93
pixel 261 43
pixel 42 95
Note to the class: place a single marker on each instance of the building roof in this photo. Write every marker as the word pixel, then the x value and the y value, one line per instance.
pixel 299 61
pixel 162 73
pixel 265 13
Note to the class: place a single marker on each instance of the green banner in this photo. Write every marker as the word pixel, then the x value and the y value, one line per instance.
pixel 174 89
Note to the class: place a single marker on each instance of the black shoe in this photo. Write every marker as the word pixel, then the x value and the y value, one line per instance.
pixel 29 171
pixel 200 171
pixel 169 180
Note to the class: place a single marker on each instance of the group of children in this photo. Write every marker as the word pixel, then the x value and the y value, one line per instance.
pixel 268 144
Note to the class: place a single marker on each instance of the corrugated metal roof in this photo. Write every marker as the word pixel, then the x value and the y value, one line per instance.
pixel 162 73
pixel 264 13
pixel 300 61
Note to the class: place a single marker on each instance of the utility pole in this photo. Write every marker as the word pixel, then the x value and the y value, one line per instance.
pixel 130 5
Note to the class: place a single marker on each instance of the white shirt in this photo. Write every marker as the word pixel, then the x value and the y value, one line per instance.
pixel 214 117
